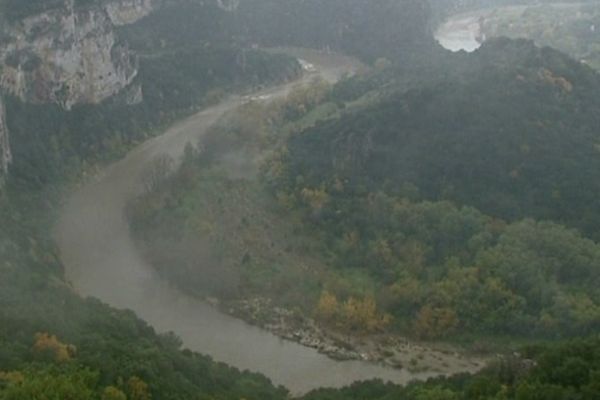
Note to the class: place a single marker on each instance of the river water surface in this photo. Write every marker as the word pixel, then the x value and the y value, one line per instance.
pixel 101 261
pixel 460 32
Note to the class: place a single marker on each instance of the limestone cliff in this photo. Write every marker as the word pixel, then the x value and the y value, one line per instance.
pixel 70 55
pixel 126 12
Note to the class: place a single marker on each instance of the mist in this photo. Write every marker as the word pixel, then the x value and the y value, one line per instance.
pixel 275 199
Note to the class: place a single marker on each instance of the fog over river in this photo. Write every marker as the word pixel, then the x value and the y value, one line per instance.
pixel 101 261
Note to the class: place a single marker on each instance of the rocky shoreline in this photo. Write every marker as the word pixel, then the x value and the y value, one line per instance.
pixel 385 349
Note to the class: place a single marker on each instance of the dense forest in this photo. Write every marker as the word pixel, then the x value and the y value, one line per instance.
pixel 460 187
pixel 523 158
pixel 378 182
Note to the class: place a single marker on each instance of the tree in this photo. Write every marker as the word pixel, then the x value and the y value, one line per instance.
pixel 112 393
pixel 157 173
pixel 362 315
pixel 49 344
pixel 327 308
pixel 51 384
pixel 433 322
pixel 316 198
pixel 436 393
pixel 137 389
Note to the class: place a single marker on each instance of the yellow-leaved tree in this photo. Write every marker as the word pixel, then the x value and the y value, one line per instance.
pixel 434 322
pixel 355 314
pixel 112 393
pixel 327 308
pixel 361 315
pixel 137 389
pixel 46 344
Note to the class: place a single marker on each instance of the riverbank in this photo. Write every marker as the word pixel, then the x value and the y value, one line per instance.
pixel 102 260
pixel 213 230
pixel 384 349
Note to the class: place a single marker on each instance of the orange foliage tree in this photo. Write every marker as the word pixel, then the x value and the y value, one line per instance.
pixel 49 344
pixel 138 389
pixel 433 322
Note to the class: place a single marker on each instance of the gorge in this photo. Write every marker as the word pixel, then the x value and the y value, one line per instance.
pixel 435 207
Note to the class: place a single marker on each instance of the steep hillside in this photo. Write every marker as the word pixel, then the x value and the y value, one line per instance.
pixel 441 189
pixel 64 52
pixel 392 29
pixel 385 28
pixel 73 84
pixel 413 189
pixel 514 133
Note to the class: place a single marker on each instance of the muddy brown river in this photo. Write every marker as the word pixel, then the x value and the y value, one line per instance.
pixel 101 261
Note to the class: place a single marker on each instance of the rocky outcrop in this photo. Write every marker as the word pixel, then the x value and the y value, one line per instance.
pixel 126 12
pixel 70 55
pixel 5 155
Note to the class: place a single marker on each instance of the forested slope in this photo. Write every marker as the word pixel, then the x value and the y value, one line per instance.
pixel 460 189
pixel 356 168
pixel 425 188
pixel 514 133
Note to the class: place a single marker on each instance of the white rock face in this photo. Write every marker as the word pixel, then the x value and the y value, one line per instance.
pixel 70 56
pixel 5 155
pixel 126 12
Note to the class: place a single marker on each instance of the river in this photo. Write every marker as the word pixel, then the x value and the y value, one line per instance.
pixel 463 31
pixel 460 32
pixel 101 261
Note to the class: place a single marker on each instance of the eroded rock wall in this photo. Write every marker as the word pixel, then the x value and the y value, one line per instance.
pixel 70 55
pixel 67 55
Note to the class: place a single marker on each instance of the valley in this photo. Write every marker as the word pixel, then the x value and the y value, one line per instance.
pixel 93 234
pixel 214 214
